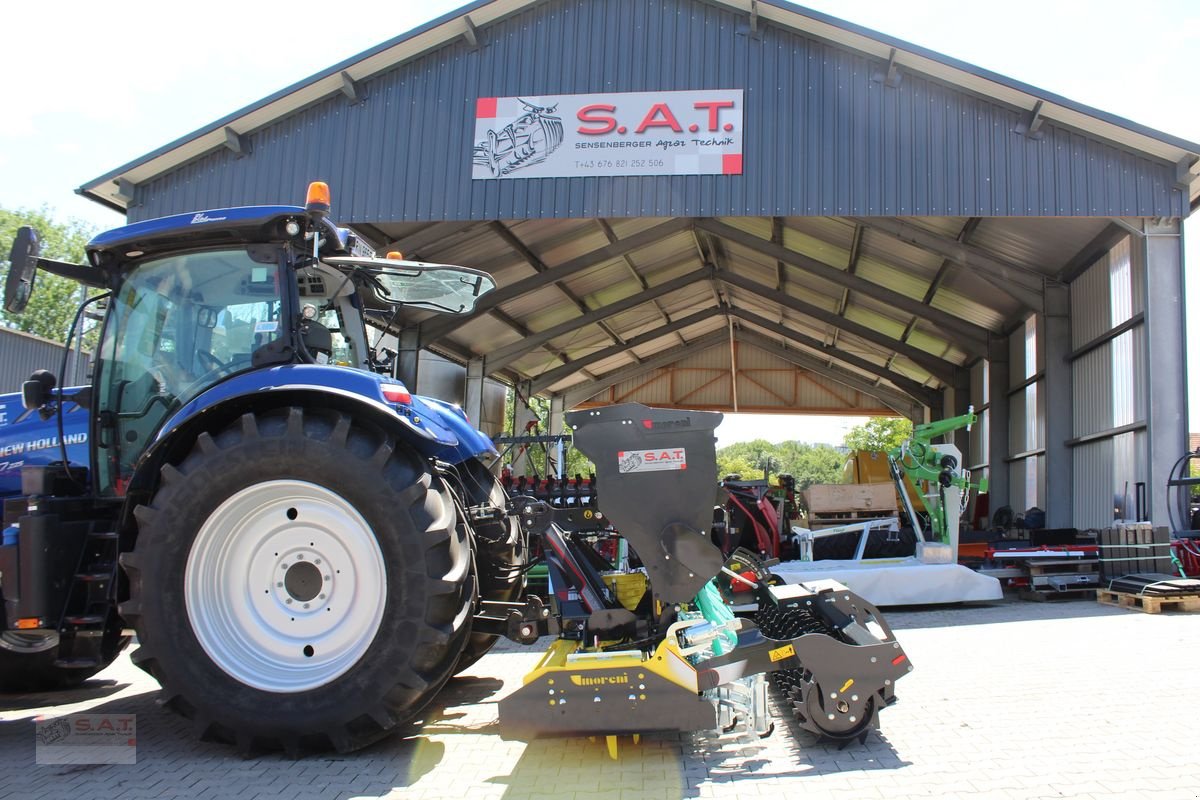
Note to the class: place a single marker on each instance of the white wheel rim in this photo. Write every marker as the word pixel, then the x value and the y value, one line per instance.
pixel 285 586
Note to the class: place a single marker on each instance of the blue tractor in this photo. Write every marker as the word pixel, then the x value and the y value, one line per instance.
pixel 300 543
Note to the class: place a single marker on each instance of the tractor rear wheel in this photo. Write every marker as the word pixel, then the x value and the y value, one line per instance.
pixel 299 582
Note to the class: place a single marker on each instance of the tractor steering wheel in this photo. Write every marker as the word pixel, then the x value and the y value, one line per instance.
pixel 219 368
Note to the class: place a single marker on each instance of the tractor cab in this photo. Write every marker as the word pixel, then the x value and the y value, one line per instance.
pixel 195 300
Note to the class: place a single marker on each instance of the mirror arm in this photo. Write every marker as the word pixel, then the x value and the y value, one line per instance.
pixel 88 276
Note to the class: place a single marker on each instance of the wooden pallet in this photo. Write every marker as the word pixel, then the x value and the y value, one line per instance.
pixel 1063 567
pixel 1151 605
pixel 1048 595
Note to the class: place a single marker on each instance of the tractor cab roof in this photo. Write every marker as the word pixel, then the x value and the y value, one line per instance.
pixel 243 225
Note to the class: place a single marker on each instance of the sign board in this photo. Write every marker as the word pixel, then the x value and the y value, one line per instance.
pixel 589 135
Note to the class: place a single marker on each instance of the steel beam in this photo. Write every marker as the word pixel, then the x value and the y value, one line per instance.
pixel 579 393
pixel 430 234
pixel 1159 253
pixel 474 390
pixel 503 356
pixel 1056 339
pixel 548 379
pixel 970 337
pixel 1100 244
pixel 434 329
pixel 940 368
pixel 922 394
pixel 535 261
pixel 896 401
pixel 997 425
pixel 1023 284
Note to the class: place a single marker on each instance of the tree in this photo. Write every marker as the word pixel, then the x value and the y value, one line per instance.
pixel 532 459
pixel 807 463
pixel 878 434
pixel 741 465
pixel 55 300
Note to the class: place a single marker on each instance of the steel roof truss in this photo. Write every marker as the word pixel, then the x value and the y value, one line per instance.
pixel 548 379
pixel 894 400
pixel 1023 284
pixel 581 392
pixel 938 367
pixel 921 394
pixel 503 356
pixel 611 235
pixel 531 258
pixel 973 338
pixel 432 330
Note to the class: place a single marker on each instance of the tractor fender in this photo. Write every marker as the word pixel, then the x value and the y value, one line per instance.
pixel 430 427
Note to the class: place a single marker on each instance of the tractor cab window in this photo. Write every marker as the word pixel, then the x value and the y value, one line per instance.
pixel 178 325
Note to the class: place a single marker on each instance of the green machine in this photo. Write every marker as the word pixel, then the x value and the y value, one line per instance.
pixel 937 471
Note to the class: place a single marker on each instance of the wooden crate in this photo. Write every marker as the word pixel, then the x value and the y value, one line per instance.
pixel 1151 605
pixel 876 499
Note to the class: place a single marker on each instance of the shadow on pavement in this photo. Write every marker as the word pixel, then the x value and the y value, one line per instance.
pixel 86 691
pixel 686 765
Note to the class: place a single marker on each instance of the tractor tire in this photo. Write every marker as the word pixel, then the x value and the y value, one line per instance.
pixel 500 552
pixel 299 582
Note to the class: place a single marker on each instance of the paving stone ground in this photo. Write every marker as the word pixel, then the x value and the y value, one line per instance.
pixel 1008 700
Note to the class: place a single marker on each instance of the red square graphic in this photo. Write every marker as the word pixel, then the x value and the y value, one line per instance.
pixel 485 108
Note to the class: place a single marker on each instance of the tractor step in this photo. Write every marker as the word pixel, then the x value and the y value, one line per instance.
pixel 77 663
pixel 93 577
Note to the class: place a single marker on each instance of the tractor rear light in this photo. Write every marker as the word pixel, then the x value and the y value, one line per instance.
pixel 397 394
pixel 317 200
pixel 28 623
pixel 898 660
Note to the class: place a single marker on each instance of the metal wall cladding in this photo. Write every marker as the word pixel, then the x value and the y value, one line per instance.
pixel 21 354
pixel 824 136
pixel 445 380
pixel 1090 299
pixel 1107 473
pixel 1093 479
pixel 1109 382
pixel 1092 392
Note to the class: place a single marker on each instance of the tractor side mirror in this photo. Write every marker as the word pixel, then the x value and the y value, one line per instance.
pixel 22 265
pixel 35 392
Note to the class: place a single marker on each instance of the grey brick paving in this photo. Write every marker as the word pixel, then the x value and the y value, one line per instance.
pixel 1008 700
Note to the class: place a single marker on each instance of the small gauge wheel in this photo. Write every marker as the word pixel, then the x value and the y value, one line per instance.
pixel 840 716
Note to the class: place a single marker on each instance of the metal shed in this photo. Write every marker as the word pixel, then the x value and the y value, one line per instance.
pixel 872 228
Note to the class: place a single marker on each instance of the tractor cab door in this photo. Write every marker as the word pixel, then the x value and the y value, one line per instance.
pixel 175 327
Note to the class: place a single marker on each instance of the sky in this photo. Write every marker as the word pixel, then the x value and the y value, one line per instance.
pixel 91 89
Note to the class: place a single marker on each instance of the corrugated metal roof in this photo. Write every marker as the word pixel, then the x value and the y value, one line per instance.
pixel 896 227
pixel 824 136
